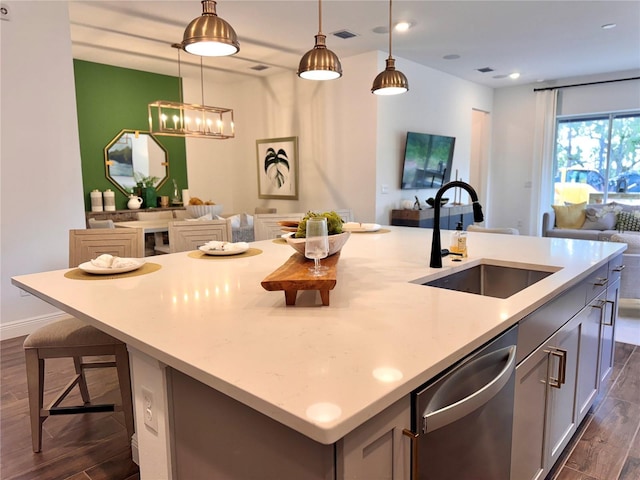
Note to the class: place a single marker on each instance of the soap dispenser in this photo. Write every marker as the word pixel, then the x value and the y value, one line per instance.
pixel 459 241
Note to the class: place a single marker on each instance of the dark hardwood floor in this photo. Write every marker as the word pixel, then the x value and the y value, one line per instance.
pixel 95 446
pixel 74 447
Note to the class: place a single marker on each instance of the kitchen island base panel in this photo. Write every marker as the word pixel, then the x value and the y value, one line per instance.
pixel 218 437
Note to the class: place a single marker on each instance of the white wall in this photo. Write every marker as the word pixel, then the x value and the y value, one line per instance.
pixel 514 111
pixel 41 196
pixel 436 103
pixel 351 142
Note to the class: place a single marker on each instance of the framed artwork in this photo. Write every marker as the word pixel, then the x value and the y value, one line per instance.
pixel 278 168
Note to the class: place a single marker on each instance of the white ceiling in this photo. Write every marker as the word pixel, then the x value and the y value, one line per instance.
pixel 542 40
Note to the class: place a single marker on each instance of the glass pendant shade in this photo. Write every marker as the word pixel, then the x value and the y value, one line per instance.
pixel 390 81
pixel 209 35
pixel 320 63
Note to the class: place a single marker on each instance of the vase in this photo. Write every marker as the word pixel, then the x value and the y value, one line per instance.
pixel 149 197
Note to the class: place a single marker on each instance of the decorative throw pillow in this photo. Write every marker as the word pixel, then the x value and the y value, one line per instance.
pixel 631 239
pixel 628 221
pixel 570 216
pixel 599 219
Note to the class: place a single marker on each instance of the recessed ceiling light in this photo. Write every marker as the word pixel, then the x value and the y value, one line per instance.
pixel 514 75
pixel 381 30
pixel 403 26
pixel 451 56
pixel 608 26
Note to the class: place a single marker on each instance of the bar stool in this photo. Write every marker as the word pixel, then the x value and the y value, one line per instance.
pixel 72 338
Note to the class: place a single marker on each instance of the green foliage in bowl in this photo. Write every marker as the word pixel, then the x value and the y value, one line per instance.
pixel 334 223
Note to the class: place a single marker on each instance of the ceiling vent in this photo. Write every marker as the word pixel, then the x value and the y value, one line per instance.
pixel 259 68
pixel 344 34
pixel 485 69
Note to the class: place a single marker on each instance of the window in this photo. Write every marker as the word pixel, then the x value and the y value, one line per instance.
pixel 597 159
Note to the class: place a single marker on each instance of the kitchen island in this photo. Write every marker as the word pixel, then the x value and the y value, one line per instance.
pixel 206 327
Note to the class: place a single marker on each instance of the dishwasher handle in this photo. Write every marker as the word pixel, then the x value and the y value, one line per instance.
pixel 449 414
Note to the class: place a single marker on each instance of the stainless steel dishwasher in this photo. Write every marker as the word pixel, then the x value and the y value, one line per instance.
pixel 462 420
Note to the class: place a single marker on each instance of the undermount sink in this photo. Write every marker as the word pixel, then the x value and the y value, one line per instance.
pixel 491 280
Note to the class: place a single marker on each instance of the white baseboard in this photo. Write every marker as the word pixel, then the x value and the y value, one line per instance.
pixel 26 326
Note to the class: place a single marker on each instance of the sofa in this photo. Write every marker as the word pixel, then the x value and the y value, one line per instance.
pixel 611 222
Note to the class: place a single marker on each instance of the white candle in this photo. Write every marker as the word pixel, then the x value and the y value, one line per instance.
pixel 209 125
pixel 164 121
pixel 220 126
pixel 197 124
pixel 187 122
pixel 175 122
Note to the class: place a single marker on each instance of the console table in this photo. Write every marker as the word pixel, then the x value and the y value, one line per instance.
pixel 449 217
pixel 126 215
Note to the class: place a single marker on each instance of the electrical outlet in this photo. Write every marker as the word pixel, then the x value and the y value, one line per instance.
pixel 384 189
pixel 150 412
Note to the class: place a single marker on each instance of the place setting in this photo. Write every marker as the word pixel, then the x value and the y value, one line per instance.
pixel 224 250
pixel 106 266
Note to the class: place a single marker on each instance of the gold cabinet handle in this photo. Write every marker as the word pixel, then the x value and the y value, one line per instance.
pixel 612 316
pixel 619 268
pixel 601 281
pixel 414 451
pixel 559 380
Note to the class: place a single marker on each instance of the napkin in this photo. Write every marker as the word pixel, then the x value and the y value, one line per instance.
pixel 225 246
pixel 109 261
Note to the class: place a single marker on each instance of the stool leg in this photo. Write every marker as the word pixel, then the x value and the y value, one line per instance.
pixel 82 383
pixel 35 385
pixel 124 379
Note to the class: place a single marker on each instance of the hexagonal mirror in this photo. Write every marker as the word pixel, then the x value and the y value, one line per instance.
pixel 134 156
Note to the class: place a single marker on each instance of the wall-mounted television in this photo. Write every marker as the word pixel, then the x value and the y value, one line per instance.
pixel 427 160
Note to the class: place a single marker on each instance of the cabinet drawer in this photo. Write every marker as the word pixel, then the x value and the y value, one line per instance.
pixel 539 325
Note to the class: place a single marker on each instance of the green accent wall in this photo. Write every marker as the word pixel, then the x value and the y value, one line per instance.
pixel 110 99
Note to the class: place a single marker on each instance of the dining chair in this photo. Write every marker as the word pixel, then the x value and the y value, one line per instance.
pixel 185 235
pixel 266 226
pixel 504 230
pixel 72 338
pixel 85 245
pixel 93 223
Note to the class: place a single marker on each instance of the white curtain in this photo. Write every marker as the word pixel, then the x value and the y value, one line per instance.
pixel 542 162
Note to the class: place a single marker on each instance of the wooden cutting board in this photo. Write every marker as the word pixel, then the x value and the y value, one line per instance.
pixel 294 275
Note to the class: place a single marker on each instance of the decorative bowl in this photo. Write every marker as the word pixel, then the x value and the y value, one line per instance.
pixel 336 242
pixel 431 201
pixel 197 211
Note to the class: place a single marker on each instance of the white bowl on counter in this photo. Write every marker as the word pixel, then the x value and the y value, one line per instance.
pixel 336 242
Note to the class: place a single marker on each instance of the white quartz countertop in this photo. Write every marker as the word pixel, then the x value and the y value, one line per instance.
pixel 321 370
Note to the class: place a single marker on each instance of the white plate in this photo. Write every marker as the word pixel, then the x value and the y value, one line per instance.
pixel 90 268
pixel 360 227
pixel 235 251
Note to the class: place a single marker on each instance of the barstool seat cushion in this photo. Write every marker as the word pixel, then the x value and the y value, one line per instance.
pixel 68 332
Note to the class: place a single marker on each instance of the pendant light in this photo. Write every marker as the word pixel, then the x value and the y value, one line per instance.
pixel 320 63
pixel 209 35
pixel 390 81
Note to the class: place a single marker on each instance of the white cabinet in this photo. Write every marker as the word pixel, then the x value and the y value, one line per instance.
pixel 557 382
pixel 590 347
pixel 544 404
pixel 377 450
